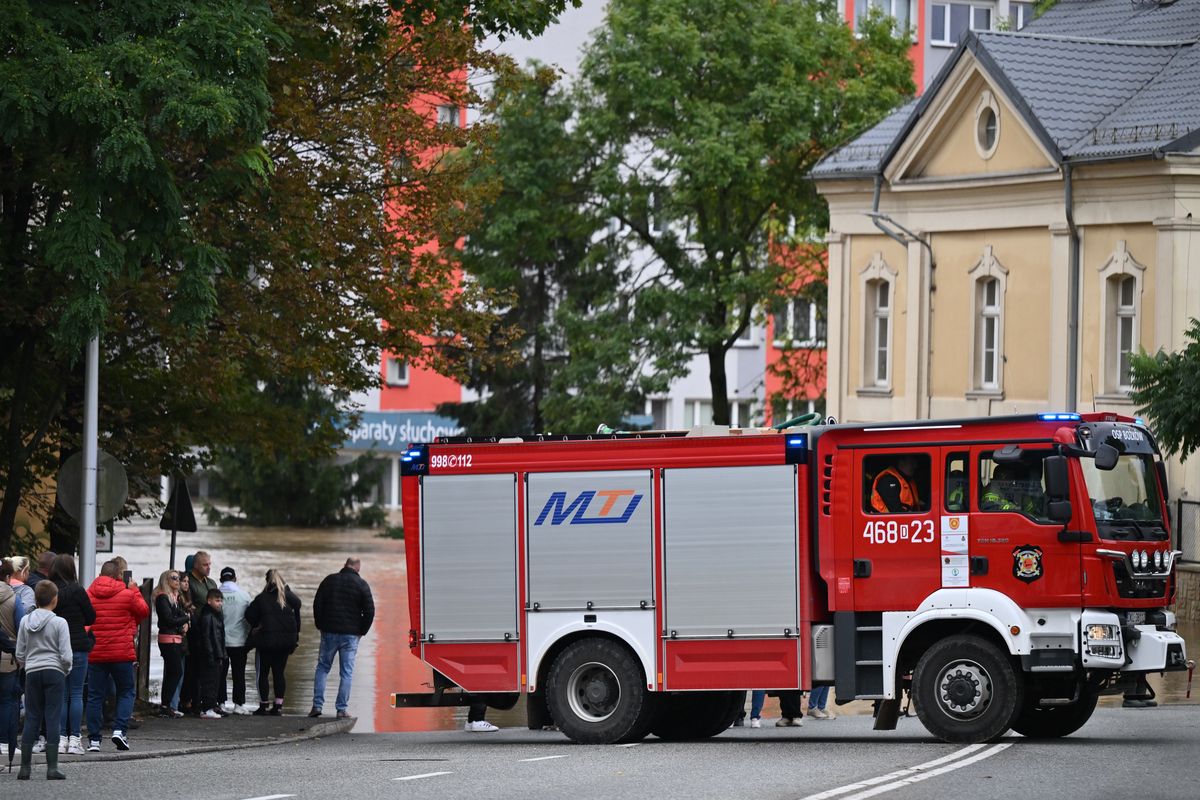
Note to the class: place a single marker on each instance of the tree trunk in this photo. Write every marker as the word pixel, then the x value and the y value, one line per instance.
pixel 719 383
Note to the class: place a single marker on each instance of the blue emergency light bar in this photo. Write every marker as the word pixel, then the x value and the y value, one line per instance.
pixel 1060 417
pixel 795 449
pixel 415 461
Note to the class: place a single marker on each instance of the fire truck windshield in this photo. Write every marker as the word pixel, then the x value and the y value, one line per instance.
pixel 1125 500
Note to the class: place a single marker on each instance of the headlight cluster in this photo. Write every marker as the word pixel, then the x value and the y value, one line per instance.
pixel 1104 640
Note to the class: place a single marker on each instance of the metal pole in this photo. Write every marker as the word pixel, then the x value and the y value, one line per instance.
pixel 91 410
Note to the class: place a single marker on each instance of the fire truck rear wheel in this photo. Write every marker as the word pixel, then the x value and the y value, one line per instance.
pixel 597 694
pixel 966 690
pixel 1053 722
pixel 697 715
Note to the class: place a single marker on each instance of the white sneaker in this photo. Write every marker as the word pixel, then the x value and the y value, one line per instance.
pixel 819 713
pixel 242 710
pixel 755 722
pixel 40 745
pixel 62 745
pixel 118 738
pixel 227 706
pixel 210 714
pixel 482 726
pixel 75 746
pixel 4 750
pixel 788 722
pixel 93 746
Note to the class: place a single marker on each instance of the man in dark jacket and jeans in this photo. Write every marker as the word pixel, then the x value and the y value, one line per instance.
pixel 343 610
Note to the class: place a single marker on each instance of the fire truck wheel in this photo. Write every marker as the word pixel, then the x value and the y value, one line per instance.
pixel 966 690
pixel 697 715
pixel 597 694
pixel 1053 722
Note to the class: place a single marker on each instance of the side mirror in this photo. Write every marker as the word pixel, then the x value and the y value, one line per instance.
pixel 1009 454
pixel 1058 487
pixel 1059 510
pixel 1106 456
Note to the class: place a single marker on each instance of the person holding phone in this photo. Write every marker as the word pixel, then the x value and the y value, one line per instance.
pixel 119 608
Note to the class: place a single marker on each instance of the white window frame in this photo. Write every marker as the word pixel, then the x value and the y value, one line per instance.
pixel 1121 265
pixel 447 114
pixel 788 336
pixel 876 274
pixel 944 10
pixel 396 372
pixel 987 269
pixel 889 6
pixel 1018 12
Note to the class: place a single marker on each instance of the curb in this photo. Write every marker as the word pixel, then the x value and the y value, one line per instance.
pixel 316 731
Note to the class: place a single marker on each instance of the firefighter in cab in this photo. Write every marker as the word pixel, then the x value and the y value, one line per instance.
pixel 896 488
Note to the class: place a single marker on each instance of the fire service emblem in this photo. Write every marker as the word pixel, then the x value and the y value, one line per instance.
pixel 1027 563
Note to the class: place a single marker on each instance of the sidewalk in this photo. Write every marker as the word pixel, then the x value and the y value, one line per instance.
pixel 159 738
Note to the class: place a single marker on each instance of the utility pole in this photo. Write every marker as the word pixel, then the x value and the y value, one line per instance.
pixel 91 410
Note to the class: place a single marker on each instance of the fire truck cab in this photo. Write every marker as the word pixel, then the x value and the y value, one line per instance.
pixel 1002 572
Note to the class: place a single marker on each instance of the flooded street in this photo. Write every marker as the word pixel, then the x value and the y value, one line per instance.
pixel 384 664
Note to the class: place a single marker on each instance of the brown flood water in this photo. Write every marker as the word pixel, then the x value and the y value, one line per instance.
pixel 384 664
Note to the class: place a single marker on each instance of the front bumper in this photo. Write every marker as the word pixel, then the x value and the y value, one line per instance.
pixel 1153 650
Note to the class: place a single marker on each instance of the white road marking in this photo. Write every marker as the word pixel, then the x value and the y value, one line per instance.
pixel 542 758
pixel 891 776
pixel 271 797
pixel 924 776
pixel 631 744
pixel 422 775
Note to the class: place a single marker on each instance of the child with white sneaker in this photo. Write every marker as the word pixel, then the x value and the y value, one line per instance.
pixel 210 653
pixel 44 649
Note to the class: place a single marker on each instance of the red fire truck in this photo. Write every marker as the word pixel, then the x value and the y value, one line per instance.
pixel 635 584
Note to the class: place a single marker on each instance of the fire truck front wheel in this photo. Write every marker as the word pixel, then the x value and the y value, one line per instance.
pixel 966 690
pixel 597 693
pixel 1053 722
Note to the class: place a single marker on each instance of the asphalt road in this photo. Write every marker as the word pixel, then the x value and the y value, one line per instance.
pixel 1120 754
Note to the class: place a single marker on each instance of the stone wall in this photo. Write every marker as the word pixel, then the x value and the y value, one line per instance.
pixel 1187 594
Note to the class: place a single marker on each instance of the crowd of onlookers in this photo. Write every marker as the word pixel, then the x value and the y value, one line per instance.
pixel 56 637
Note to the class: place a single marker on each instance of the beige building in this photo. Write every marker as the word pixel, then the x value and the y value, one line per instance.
pixel 1005 243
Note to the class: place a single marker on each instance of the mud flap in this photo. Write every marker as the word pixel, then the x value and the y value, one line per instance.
pixel 887 713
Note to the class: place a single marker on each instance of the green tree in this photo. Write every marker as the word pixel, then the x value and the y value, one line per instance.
pixel 709 115
pixel 579 357
pixel 147 193
pixel 1165 387
pixel 292 480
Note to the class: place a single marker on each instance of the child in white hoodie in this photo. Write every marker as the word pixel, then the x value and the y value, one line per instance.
pixel 44 649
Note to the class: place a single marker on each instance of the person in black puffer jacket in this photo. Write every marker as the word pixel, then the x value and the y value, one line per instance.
pixel 75 607
pixel 274 618
pixel 343 610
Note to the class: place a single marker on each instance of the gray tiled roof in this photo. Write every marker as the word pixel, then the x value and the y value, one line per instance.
pixel 861 156
pixel 1126 95
pixel 1072 87
pixel 1125 20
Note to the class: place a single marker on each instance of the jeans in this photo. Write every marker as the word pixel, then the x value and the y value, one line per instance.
pixel 818 697
pixel 43 701
pixel 10 705
pixel 121 673
pixel 172 656
pixel 345 645
pixel 72 707
pixel 757 698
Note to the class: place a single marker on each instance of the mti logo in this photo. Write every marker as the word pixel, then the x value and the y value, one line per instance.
pixel 557 509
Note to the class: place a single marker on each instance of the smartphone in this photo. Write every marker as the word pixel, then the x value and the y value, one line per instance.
pixel 128 576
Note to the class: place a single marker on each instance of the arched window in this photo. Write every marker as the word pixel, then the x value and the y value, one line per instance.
pixel 988 332
pixel 989 279
pixel 1125 323
pixel 1121 280
pixel 879 332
